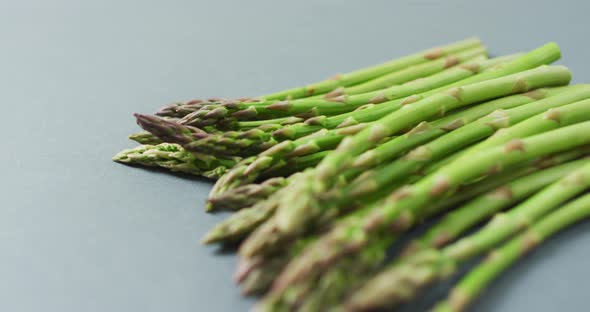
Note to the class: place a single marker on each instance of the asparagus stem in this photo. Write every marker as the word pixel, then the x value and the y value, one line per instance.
pixel 175 158
pixel 373 72
pixel 503 257
pixel 395 122
pixel 241 223
pixel 403 281
pixel 426 131
pixel 231 112
pixel 181 109
pixel 370 257
pixel 246 195
pixel 431 106
pixel 252 168
pixel 410 203
pixel 255 140
pixel 258 277
pixel 144 137
pixel 296 217
pixel 479 209
pixel 535 58
pixel 482 128
pixel 418 86
pixel 337 281
pixel 415 72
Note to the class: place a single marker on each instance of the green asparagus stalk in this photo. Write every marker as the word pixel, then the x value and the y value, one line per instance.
pixel 251 168
pixel 470 190
pixel 144 137
pixel 403 281
pixel 503 257
pixel 260 138
pixel 246 195
pixel 540 56
pixel 425 86
pixel 482 128
pixel 410 204
pixel 424 131
pixel 544 54
pixel 458 221
pixel 241 223
pixel 444 101
pixel 173 157
pixel 336 104
pixel 412 73
pixel 383 176
pixel 362 75
pixel 307 208
pixel 335 281
pixel 257 274
pixel 398 120
pixel 180 109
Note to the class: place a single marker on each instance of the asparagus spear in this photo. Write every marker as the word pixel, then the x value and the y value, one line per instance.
pixel 479 209
pixel 350 79
pixel 337 104
pixel 503 257
pixel 424 131
pixel 179 109
pixel 476 131
pixel 251 168
pixel 144 137
pixel 246 195
pixel 260 138
pixel 415 72
pixel 388 150
pixel 368 100
pixel 409 204
pixel 268 238
pixel 365 74
pixel 258 273
pixel 450 99
pixel 398 120
pixel 295 217
pixel 242 222
pixel 403 281
pixel 260 276
pixel 540 56
pixel 381 177
pixel 336 281
pixel 175 158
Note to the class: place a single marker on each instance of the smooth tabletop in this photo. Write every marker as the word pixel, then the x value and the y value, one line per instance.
pixel 79 232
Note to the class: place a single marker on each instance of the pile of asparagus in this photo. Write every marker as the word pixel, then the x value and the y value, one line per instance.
pixel 325 178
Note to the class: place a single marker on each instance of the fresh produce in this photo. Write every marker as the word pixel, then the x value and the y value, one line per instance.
pixel 323 179
pixel 500 259
pixel 175 158
pixel 374 91
pixel 402 281
pixel 297 216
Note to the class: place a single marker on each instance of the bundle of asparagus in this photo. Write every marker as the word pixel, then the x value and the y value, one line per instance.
pixel 325 178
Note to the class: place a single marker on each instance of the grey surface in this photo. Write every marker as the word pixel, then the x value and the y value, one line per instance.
pixel 81 233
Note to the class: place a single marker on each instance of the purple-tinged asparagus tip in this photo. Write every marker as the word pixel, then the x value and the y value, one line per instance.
pixel 168 131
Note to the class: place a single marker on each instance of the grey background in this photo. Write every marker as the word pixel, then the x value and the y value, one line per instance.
pixel 81 233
